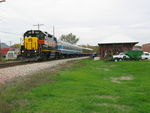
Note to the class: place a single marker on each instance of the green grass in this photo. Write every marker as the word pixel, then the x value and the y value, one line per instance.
pixel 83 87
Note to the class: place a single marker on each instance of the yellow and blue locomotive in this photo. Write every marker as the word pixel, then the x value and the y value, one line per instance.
pixel 38 45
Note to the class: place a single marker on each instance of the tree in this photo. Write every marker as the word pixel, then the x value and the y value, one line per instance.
pixel 137 46
pixel 70 38
pixel 16 46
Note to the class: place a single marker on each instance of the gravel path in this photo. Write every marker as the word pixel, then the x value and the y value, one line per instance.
pixel 22 70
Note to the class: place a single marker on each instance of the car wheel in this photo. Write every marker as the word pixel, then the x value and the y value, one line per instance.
pixel 124 58
pixel 120 59
pixel 116 60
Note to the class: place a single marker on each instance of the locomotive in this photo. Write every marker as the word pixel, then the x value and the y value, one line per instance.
pixel 39 45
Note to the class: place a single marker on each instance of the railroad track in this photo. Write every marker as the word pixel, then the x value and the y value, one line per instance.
pixel 11 70
pixel 10 64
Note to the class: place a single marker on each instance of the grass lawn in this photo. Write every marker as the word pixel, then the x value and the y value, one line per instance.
pixel 85 86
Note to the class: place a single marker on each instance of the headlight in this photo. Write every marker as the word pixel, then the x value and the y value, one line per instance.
pixel 35 51
pixel 22 51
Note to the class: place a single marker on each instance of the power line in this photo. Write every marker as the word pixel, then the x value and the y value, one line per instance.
pixel 10 33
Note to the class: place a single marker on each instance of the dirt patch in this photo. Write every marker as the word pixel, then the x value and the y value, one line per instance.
pixel 23 102
pixel 103 69
pixel 106 97
pixel 122 78
pixel 113 65
pixel 5 107
pixel 116 106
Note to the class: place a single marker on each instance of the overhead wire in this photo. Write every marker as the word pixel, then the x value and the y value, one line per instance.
pixel 10 33
pixel 3 18
pixel 6 20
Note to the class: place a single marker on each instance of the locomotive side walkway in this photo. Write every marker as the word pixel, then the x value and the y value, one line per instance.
pixel 22 70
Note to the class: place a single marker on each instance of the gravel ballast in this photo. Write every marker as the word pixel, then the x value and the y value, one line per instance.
pixel 22 70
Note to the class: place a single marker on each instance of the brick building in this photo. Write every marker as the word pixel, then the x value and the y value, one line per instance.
pixel 4 49
pixel 109 49
pixel 146 47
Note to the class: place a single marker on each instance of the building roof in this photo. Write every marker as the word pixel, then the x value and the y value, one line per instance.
pixel 146 44
pixel 3 45
pixel 117 43
pixel 118 39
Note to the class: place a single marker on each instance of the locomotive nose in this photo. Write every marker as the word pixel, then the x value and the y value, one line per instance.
pixel 31 43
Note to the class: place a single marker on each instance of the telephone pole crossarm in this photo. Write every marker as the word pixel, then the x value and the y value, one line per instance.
pixel 38 25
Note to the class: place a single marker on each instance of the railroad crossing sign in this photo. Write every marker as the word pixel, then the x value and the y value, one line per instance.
pixel 2 0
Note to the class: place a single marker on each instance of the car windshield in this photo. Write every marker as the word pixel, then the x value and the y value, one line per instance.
pixel 146 54
pixel 121 53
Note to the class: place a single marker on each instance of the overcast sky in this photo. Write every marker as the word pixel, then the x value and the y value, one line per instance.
pixel 93 21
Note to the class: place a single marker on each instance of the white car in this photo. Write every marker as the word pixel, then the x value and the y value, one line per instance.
pixel 146 55
pixel 121 56
pixel 12 54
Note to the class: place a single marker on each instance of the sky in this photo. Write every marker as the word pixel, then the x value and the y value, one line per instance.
pixel 93 21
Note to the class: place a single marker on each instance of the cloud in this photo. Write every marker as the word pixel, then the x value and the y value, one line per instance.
pixel 91 20
pixel 117 39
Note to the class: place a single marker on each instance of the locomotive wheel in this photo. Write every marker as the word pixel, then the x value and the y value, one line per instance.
pixel 57 56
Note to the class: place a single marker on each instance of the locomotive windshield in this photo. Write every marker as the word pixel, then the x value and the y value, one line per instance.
pixel 34 33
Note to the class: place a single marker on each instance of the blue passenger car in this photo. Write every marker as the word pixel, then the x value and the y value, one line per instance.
pixel 68 49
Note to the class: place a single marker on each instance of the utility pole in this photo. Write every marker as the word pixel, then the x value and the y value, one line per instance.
pixel 53 31
pixel 10 42
pixel 38 25
pixel 20 41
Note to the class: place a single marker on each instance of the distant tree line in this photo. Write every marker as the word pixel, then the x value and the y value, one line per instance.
pixel 16 46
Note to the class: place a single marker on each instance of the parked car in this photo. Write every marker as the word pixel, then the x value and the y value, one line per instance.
pixel 128 55
pixel 12 54
pixel 146 55
pixel 120 57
